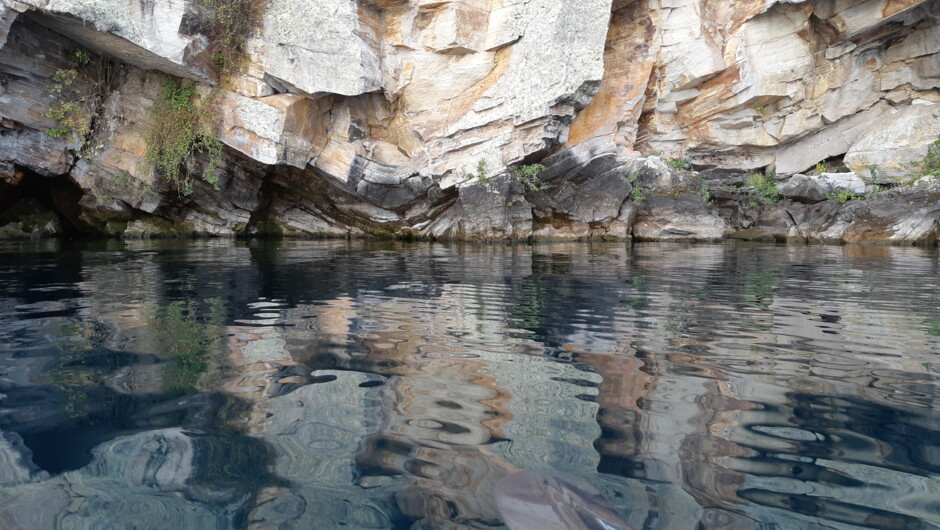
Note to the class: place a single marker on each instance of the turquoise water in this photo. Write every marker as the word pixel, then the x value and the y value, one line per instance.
pixel 339 384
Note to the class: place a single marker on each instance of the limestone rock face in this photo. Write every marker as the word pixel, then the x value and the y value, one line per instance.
pixel 150 34
pixel 890 220
pixel 664 219
pixel 885 154
pixel 377 117
pixel 319 47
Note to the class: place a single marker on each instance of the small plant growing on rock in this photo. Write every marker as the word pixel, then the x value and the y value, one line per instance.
pixel 637 194
pixel 706 192
pixel 821 167
pixel 931 163
pixel 679 164
pixel 79 93
pixel 78 57
pixel 74 120
pixel 914 177
pixel 480 176
pixel 528 175
pixel 179 127
pixel 230 23
pixel 763 189
pixel 843 196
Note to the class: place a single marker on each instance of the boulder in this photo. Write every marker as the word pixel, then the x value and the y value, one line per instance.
pixel 803 188
pixel 683 218
pixel 842 181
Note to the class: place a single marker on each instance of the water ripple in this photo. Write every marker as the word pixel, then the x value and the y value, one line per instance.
pixel 391 385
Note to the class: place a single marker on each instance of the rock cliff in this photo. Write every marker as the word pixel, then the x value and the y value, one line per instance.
pixel 407 117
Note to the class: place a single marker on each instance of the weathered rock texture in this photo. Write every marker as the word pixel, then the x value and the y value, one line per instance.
pixel 365 117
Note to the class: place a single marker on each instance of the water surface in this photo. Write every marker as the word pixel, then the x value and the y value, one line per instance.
pixel 391 385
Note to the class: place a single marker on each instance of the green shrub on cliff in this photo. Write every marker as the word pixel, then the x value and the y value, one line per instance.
pixel 763 189
pixel 931 163
pixel 74 121
pixel 79 92
pixel 179 127
pixel 528 175
pixel 679 164
pixel 229 25
pixel 480 176
pixel 637 194
pixel 843 196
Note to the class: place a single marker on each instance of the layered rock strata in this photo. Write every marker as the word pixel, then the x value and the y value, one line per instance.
pixel 401 117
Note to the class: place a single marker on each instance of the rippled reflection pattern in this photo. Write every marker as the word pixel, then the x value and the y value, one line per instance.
pixel 277 385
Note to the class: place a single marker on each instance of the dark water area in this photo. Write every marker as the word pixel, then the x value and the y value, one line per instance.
pixel 340 384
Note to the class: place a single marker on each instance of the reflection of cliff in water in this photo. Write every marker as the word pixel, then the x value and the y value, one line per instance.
pixel 451 407
pixel 109 412
pixel 380 385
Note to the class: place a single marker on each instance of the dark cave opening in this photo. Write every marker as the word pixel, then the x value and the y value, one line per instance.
pixel 26 195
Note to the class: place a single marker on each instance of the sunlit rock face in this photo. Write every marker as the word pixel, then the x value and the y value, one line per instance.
pixel 786 84
pixel 367 117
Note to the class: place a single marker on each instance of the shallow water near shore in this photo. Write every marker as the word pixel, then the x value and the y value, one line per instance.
pixel 362 384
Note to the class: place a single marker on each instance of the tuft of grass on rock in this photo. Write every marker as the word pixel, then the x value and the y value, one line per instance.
pixel 178 128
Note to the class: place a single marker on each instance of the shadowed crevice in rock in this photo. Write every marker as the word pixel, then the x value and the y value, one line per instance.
pixel 37 206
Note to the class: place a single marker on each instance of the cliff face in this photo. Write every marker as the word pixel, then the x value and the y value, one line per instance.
pixel 359 117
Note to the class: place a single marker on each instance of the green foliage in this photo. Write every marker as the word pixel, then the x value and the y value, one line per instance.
pixel 121 178
pixel 913 178
pixel 931 163
pixel 79 92
pixel 528 175
pixel 480 176
pixel 706 192
pixel 843 196
pixel 70 112
pixel 218 60
pixel 821 167
pixel 637 194
pixel 230 23
pixel 63 79
pixel 763 189
pixel 178 129
pixel 78 57
pixel 933 326
pixel 74 121
pixel 679 164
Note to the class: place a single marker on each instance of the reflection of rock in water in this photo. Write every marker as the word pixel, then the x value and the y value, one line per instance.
pixel 315 433
pixel 135 481
pixel 465 410
pixel 452 408
pixel 16 465
pixel 549 500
